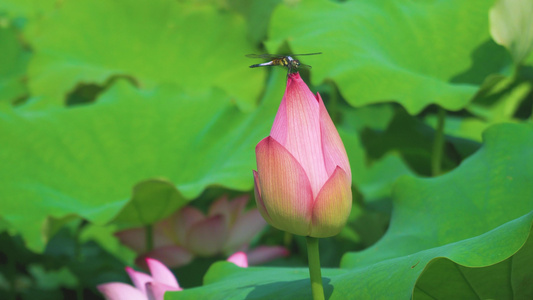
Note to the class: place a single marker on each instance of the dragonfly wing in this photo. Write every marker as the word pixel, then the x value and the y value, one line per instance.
pixel 273 56
pixel 264 56
pixel 305 54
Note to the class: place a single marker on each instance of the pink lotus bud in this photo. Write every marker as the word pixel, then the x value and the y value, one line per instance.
pixel 303 178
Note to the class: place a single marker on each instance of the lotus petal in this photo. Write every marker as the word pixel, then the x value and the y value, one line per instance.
pixel 156 290
pixel 259 200
pixel 172 256
pixel 207 237
pixel 183 221
pixel 332 206
pixel 239 258
pixel 332 146
pixel 285 189
pixel 139 279
pixel 264 254
pixel 120 291
pixel 135 239
pixel 244 230
pixel 160 273
pixel 297 128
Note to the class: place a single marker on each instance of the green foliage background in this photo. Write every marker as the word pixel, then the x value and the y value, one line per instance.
pixel 114 114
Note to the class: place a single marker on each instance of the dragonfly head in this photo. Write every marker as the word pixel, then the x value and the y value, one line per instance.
pixel 295 63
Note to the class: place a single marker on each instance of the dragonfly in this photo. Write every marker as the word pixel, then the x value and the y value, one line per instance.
pixel 281 60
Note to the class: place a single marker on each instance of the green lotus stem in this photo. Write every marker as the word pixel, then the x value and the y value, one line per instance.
pixel 78 256
pixel 149 232
pixel 438 144
pixel 287 239
pixel 314 268
pixel 77 242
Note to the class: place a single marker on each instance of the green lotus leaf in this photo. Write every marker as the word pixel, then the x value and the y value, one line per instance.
pixel 257 14
pixel 141 207
pixel 413 52
pixel 476 216
pixel 509 279
pixel 85 159
pixel 13 65
pixel 194 46
pixel 26 8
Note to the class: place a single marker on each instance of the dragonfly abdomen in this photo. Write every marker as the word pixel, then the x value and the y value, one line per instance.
pixel 284 61
pixel 270 63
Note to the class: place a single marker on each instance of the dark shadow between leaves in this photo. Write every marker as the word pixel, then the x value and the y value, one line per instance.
pixel 412 139
pixel 86 93
pixel 489 51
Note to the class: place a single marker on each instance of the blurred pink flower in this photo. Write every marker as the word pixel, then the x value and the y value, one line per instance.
pixel 303 179
pixel 153 287
pixel 226 229
pixel 145 287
